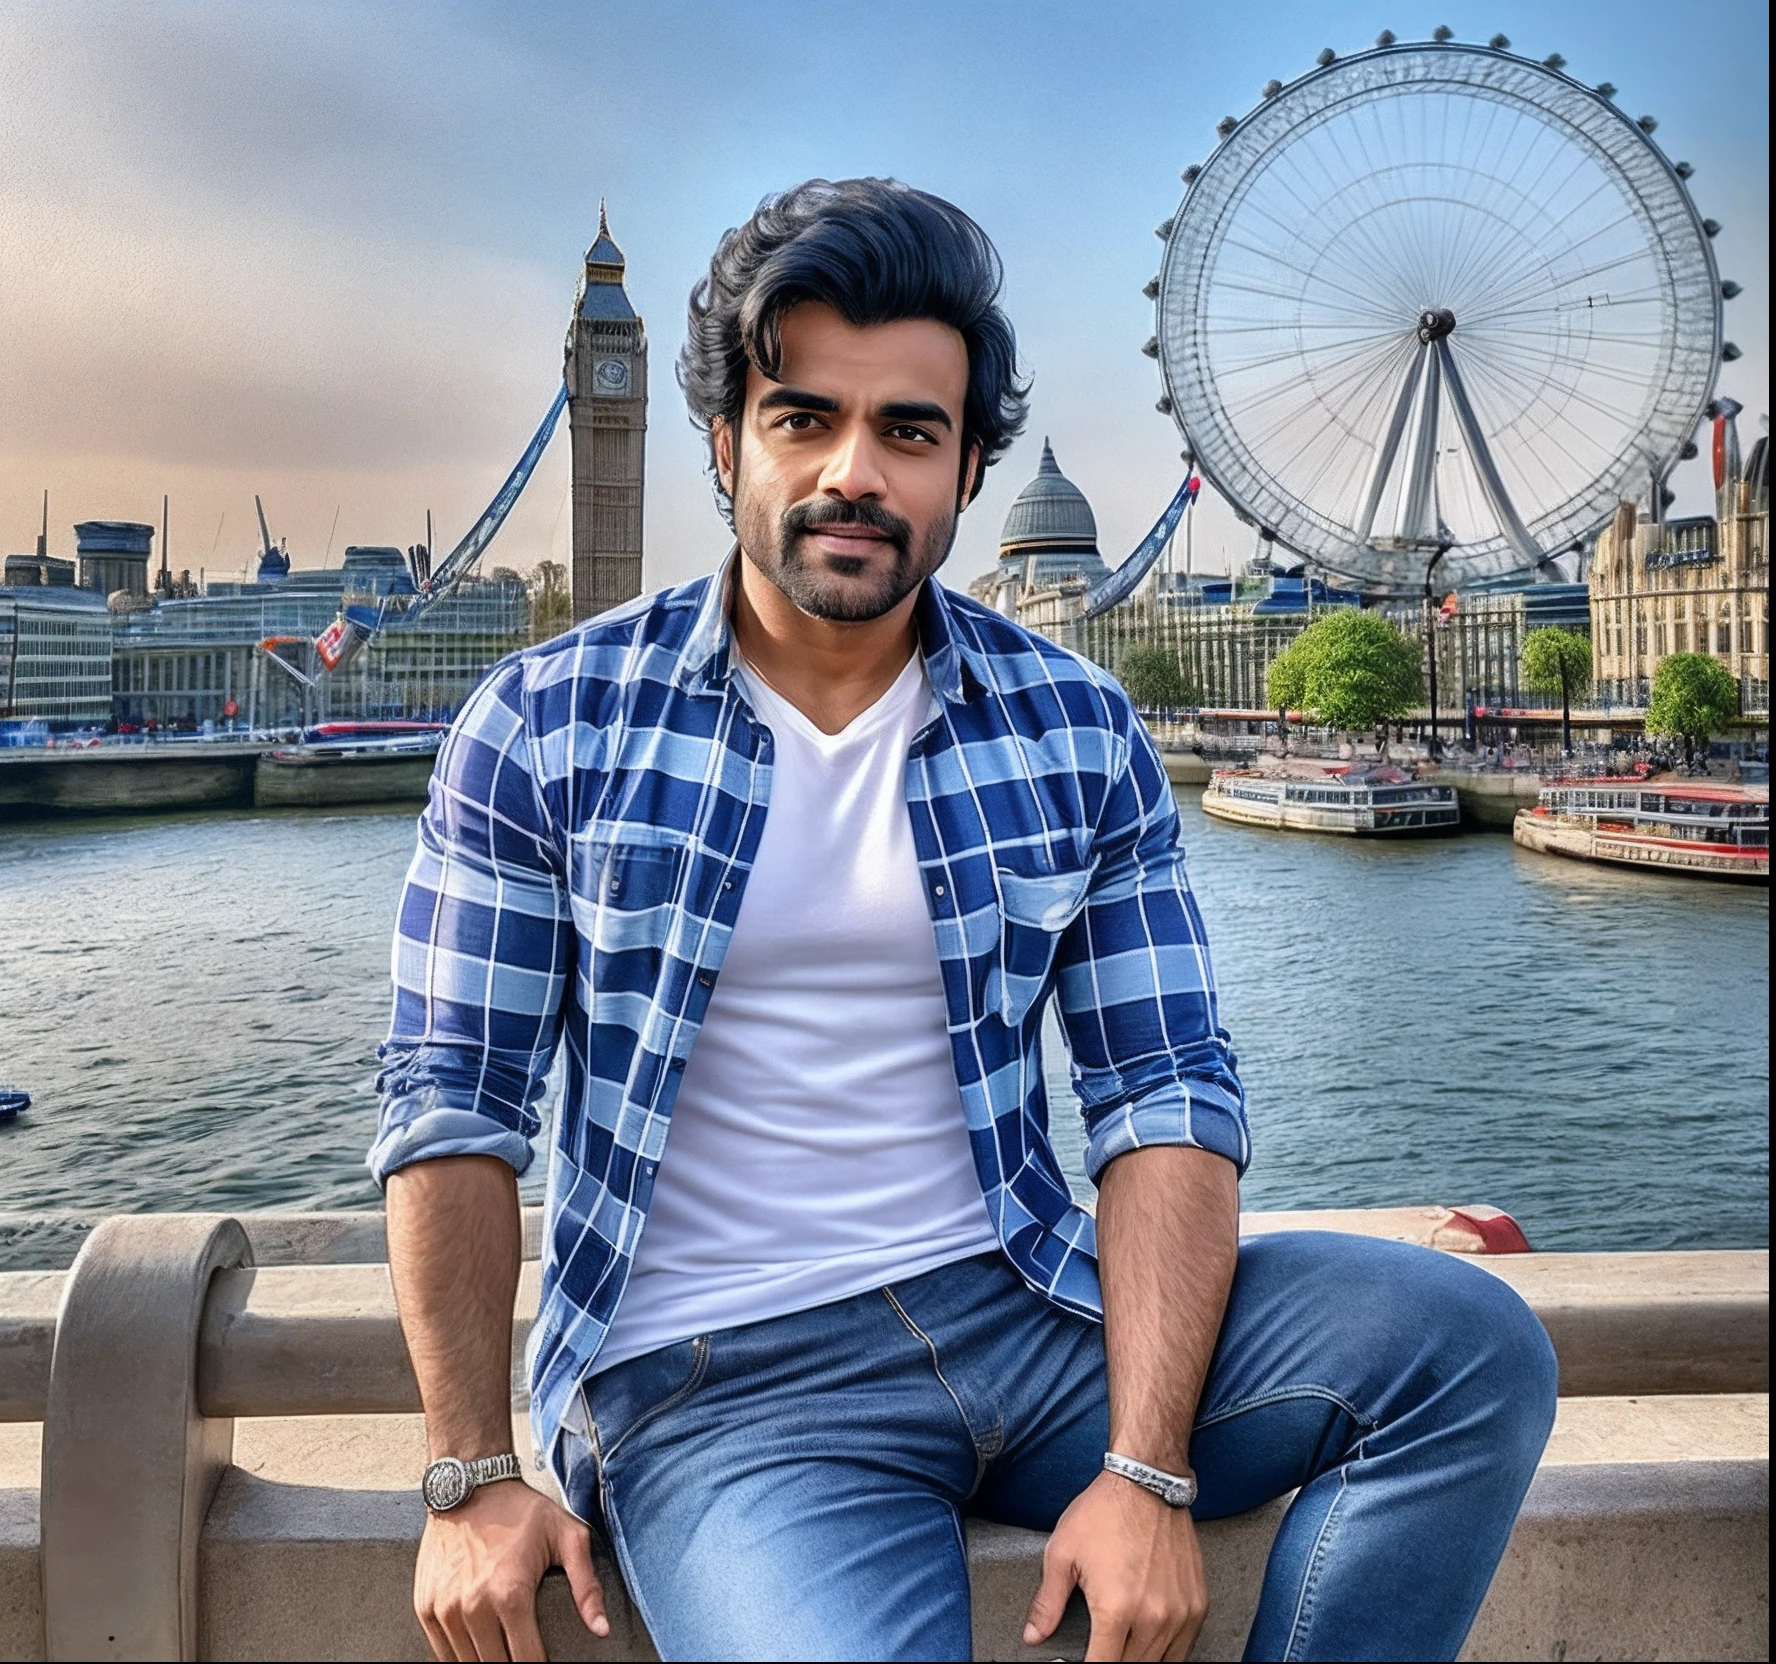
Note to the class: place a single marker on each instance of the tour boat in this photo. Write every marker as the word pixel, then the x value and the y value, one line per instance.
pixel 1362 800
pixel 1706 829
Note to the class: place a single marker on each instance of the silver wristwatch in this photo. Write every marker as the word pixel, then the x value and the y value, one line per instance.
pixel 1175 1490
pixel 449 1482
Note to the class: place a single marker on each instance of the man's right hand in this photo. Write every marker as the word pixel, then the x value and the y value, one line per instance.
pixel 475 1586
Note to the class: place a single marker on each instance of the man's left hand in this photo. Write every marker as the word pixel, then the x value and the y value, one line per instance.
pixel 1137 1563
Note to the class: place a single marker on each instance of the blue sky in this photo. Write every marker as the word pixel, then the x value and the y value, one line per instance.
pixel 328 252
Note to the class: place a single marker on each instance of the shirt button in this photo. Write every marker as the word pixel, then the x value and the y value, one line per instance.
pixel 727 883
pixel 705 979
pixel 939 890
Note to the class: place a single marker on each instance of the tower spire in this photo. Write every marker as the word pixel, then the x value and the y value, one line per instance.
pixel 604 260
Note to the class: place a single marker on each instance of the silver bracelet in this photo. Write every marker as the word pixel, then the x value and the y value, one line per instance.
pixel 1175 1490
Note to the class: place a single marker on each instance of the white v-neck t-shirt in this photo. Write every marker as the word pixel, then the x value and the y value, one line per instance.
pixel 818 1146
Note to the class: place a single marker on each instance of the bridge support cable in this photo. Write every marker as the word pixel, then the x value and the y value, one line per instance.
pixel 356 625
pixel 1126 579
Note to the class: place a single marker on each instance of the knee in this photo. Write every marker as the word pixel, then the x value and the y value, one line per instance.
pixel 1510 1366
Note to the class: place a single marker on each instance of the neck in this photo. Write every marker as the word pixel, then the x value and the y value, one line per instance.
pixel 831 672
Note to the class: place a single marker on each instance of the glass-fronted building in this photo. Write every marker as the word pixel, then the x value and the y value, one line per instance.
pixel 182 663
pixel 55 656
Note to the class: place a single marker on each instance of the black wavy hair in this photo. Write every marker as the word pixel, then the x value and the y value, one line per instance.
pixel 875 251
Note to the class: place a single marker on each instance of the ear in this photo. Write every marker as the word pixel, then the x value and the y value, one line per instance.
pixel 971 472
pixel 721 439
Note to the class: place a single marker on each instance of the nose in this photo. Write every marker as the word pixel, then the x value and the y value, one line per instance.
pixel 853 468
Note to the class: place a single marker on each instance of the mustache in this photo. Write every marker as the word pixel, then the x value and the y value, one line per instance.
pixel 803 518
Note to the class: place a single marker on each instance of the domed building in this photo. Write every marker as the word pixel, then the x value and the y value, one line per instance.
pixel 1050 541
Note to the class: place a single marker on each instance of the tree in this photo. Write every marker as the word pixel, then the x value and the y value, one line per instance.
pixel 1153 678
pixel 1353 670
pixel 1694 697
pixel 1557 660
pixel 551 601
pixel 1285 686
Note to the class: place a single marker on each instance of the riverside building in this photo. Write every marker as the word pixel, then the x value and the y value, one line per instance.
pixel 187 662
pixel 1228 630
pixel 55 650
pixel 1687 586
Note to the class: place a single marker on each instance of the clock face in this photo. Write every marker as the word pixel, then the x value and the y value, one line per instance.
pixel 610 377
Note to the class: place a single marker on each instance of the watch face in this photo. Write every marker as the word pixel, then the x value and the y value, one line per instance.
pixel 446 1484
pixel 610 377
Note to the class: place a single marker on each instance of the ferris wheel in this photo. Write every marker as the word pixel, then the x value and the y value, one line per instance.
pixel 1436 301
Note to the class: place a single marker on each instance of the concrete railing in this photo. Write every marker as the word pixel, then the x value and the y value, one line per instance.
pixel 227 1454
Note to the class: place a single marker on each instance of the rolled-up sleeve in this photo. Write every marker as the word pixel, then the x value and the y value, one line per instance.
pixel 1136 987
pixel 482 950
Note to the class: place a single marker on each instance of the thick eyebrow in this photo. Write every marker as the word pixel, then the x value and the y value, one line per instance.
pixel 916 410
pixel 795 399
pixel 900 410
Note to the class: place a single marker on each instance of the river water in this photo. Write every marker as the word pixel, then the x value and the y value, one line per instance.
pixel 195 1003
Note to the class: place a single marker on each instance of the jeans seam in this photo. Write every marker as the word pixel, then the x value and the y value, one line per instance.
pixel 1316 1562
pixel 980 1456
pixel 620 1548
pixel 1281 1395
pixel 671 1401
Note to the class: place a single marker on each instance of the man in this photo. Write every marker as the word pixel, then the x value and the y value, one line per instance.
pixel 789 861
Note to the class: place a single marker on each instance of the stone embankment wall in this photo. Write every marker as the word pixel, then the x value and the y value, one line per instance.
pixel 209 1447
pixel 155 779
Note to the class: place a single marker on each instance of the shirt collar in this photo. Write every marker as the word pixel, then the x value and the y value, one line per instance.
pixel 706 661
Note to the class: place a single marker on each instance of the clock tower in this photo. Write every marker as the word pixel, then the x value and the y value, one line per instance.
pixel 607 419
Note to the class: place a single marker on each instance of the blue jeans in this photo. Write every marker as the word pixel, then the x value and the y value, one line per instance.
pixel 795 1488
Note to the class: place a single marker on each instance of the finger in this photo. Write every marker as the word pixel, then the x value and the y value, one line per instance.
pixel 1058 1578
pixel 436 1639
pixel 458 1643
pixel 524 1637
pixel 488 1639
pixel 1185 1639
pixel 573 1553
pixel 1109 1639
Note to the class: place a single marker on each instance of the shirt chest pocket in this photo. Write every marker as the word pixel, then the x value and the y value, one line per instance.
pixel 624 886
pixel 1036 909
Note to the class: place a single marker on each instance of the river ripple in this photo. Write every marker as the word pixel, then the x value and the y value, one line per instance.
pixel 195 1004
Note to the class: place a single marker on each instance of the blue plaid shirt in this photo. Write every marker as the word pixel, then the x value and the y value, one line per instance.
pixel 582 860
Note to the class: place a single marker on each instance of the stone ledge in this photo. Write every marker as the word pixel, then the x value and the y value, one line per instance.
pixel 1645 1536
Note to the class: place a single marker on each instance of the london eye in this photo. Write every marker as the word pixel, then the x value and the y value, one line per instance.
pixel 1436 301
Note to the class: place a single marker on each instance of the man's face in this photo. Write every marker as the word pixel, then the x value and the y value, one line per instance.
pixel 850 476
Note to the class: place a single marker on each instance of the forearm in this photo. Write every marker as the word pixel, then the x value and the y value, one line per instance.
pixel 455 1245
pixel 1168 1238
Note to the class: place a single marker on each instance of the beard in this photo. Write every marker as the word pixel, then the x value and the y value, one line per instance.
pixel 843 589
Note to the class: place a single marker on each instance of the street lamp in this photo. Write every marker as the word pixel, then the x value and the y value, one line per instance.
pixel 1431 639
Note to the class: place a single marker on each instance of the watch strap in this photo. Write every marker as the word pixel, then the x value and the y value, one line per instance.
pixel 484 1470
pixel 1175 1490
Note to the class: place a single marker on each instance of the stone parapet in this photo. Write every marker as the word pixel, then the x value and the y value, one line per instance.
pixel 260 1419
pixel 325 1339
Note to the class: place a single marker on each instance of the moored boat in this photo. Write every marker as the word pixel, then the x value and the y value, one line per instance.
pixel 1352 799
pixel 14 1101
pixel 1703 829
